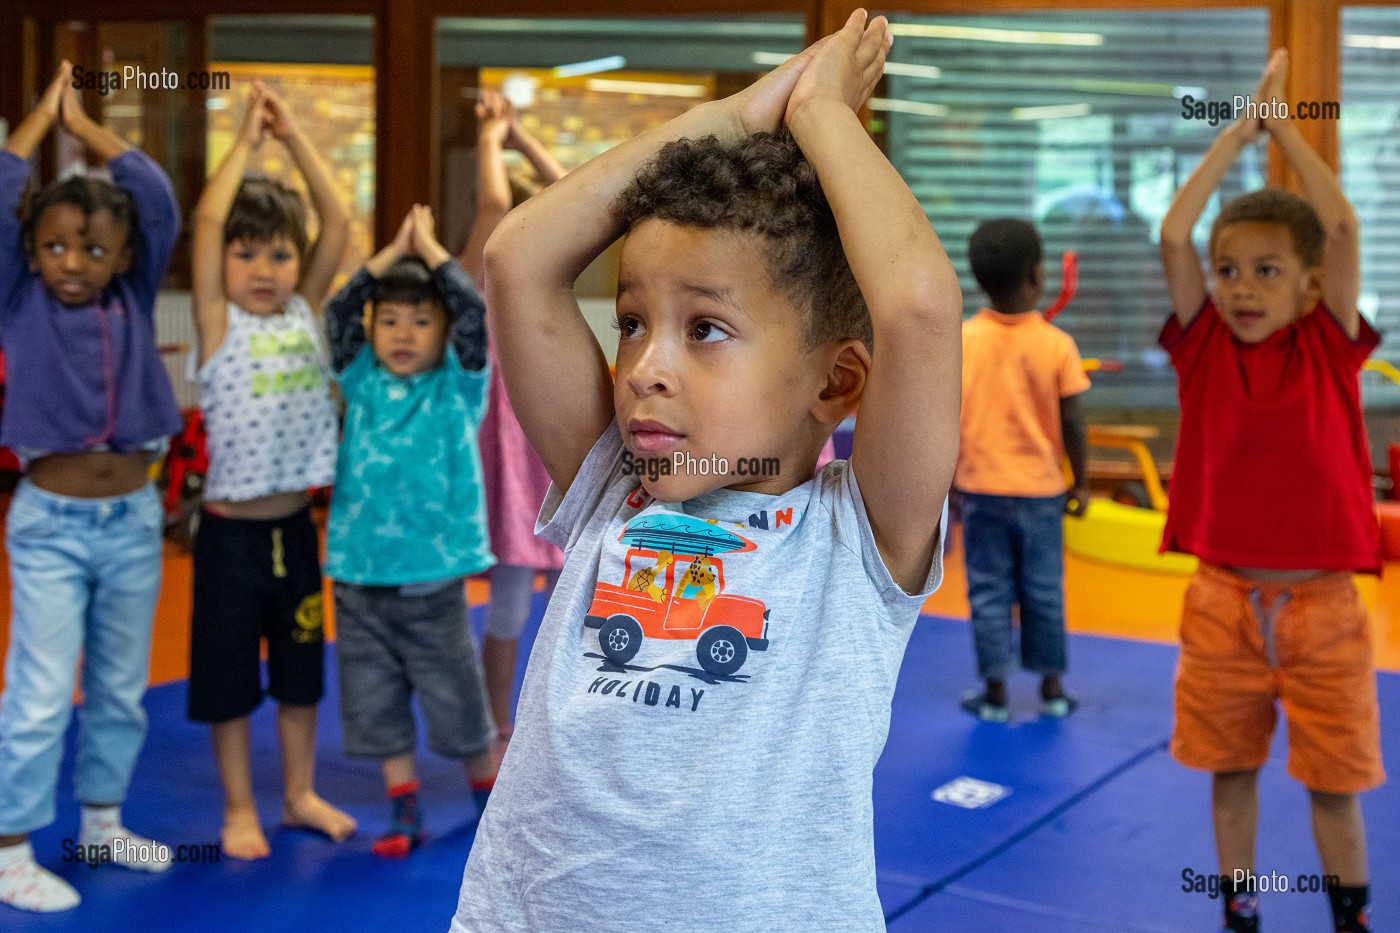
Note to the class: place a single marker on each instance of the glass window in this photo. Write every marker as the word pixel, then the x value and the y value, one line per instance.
pixel 1370 147
pixel 322 66
pixel 1073 121
pixel 583 86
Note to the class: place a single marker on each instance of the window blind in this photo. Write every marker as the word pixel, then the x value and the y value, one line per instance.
pixel 1370 147
pixel 1073 120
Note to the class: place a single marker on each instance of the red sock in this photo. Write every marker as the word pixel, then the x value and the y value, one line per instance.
pixel 406 831
pixel 407 787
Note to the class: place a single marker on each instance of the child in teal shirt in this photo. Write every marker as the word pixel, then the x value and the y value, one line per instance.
pixel 408 520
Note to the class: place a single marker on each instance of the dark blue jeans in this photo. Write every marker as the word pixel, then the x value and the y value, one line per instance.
pixel 1014 547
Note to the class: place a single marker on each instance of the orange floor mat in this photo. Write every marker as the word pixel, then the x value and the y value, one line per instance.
pixel 1099 599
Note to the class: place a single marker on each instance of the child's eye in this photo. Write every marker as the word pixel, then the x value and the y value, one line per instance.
pixel 709 332
pixel 1268 272
pixel 1225 272
pixel 243 256
pixel 97 252
pixel 282 255
pixel 627 326
pixel 55 248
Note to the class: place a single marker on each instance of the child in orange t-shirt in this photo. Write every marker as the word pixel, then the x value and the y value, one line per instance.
pixel 1021 381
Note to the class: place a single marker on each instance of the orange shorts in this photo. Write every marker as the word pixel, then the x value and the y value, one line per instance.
pixel 1246 644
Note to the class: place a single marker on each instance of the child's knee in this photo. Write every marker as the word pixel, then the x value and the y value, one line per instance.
pixel 1234 790
pixel 1333 803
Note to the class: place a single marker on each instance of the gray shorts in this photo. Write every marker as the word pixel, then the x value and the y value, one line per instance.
pixel 390 646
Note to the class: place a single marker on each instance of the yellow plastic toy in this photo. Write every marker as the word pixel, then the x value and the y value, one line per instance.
pixel 1124 535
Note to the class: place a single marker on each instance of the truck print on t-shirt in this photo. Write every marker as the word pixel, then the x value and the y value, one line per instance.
pixel 673 588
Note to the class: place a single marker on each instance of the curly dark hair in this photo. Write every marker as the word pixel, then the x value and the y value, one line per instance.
pixel 1004 255
pixel 1273 206
pixel 88 195
pixel 265 209
pixel 764 186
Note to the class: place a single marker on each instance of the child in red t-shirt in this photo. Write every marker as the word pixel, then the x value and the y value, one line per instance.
pixel 1272 491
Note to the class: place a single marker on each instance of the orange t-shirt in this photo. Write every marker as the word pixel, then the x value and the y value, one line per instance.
pixel 1016 368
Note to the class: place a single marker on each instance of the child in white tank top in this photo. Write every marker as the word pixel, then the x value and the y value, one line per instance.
pixel 264 386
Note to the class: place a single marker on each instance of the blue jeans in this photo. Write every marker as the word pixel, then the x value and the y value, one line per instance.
pixel 84 577
pixel 1014 547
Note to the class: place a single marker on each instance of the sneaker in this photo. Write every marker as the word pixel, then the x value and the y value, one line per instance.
pixel 976 703
pixel 398 842
pixel 1058 707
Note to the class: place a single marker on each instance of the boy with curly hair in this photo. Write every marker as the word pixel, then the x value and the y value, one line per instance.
pixel 715 763
pixel 1272 491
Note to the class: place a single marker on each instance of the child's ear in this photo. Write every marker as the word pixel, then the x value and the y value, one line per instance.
pixel 846 372
pixel 1313 289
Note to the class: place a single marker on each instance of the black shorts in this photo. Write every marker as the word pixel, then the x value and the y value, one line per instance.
pixel 255 579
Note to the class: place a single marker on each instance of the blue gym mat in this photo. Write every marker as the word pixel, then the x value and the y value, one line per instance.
pixel 1094 834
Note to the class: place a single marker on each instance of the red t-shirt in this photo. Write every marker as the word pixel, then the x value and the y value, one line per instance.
pixel 1273 469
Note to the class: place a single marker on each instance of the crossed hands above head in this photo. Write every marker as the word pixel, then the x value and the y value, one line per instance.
pixel 1271 87
pixel 61 102
pixel 417 236
pixel 267 115
pixel 844 66
pixel 495 116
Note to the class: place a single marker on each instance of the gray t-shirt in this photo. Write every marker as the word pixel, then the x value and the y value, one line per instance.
pixel 701 715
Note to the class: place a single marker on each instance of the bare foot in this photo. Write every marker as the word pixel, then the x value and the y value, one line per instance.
pixel 243 838
pixel 311 812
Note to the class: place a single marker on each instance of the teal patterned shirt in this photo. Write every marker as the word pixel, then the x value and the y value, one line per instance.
pixel 408 505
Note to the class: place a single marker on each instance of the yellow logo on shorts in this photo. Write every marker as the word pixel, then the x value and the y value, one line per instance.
pixel 310 619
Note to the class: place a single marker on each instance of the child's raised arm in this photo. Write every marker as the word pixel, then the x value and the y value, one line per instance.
pixel 906 441
pixel 1186 283
pixel 157 211
pixel 1341 264
pixel 345 312
pixel 25 138
pixel 493 199
pixel 101 141
pixel 540 249
pixel 209 303
pixel 543 161
pixel 466 314
pixel 14 178
pixel 323 258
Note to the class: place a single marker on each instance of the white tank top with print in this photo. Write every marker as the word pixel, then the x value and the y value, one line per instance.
pixel 265 395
